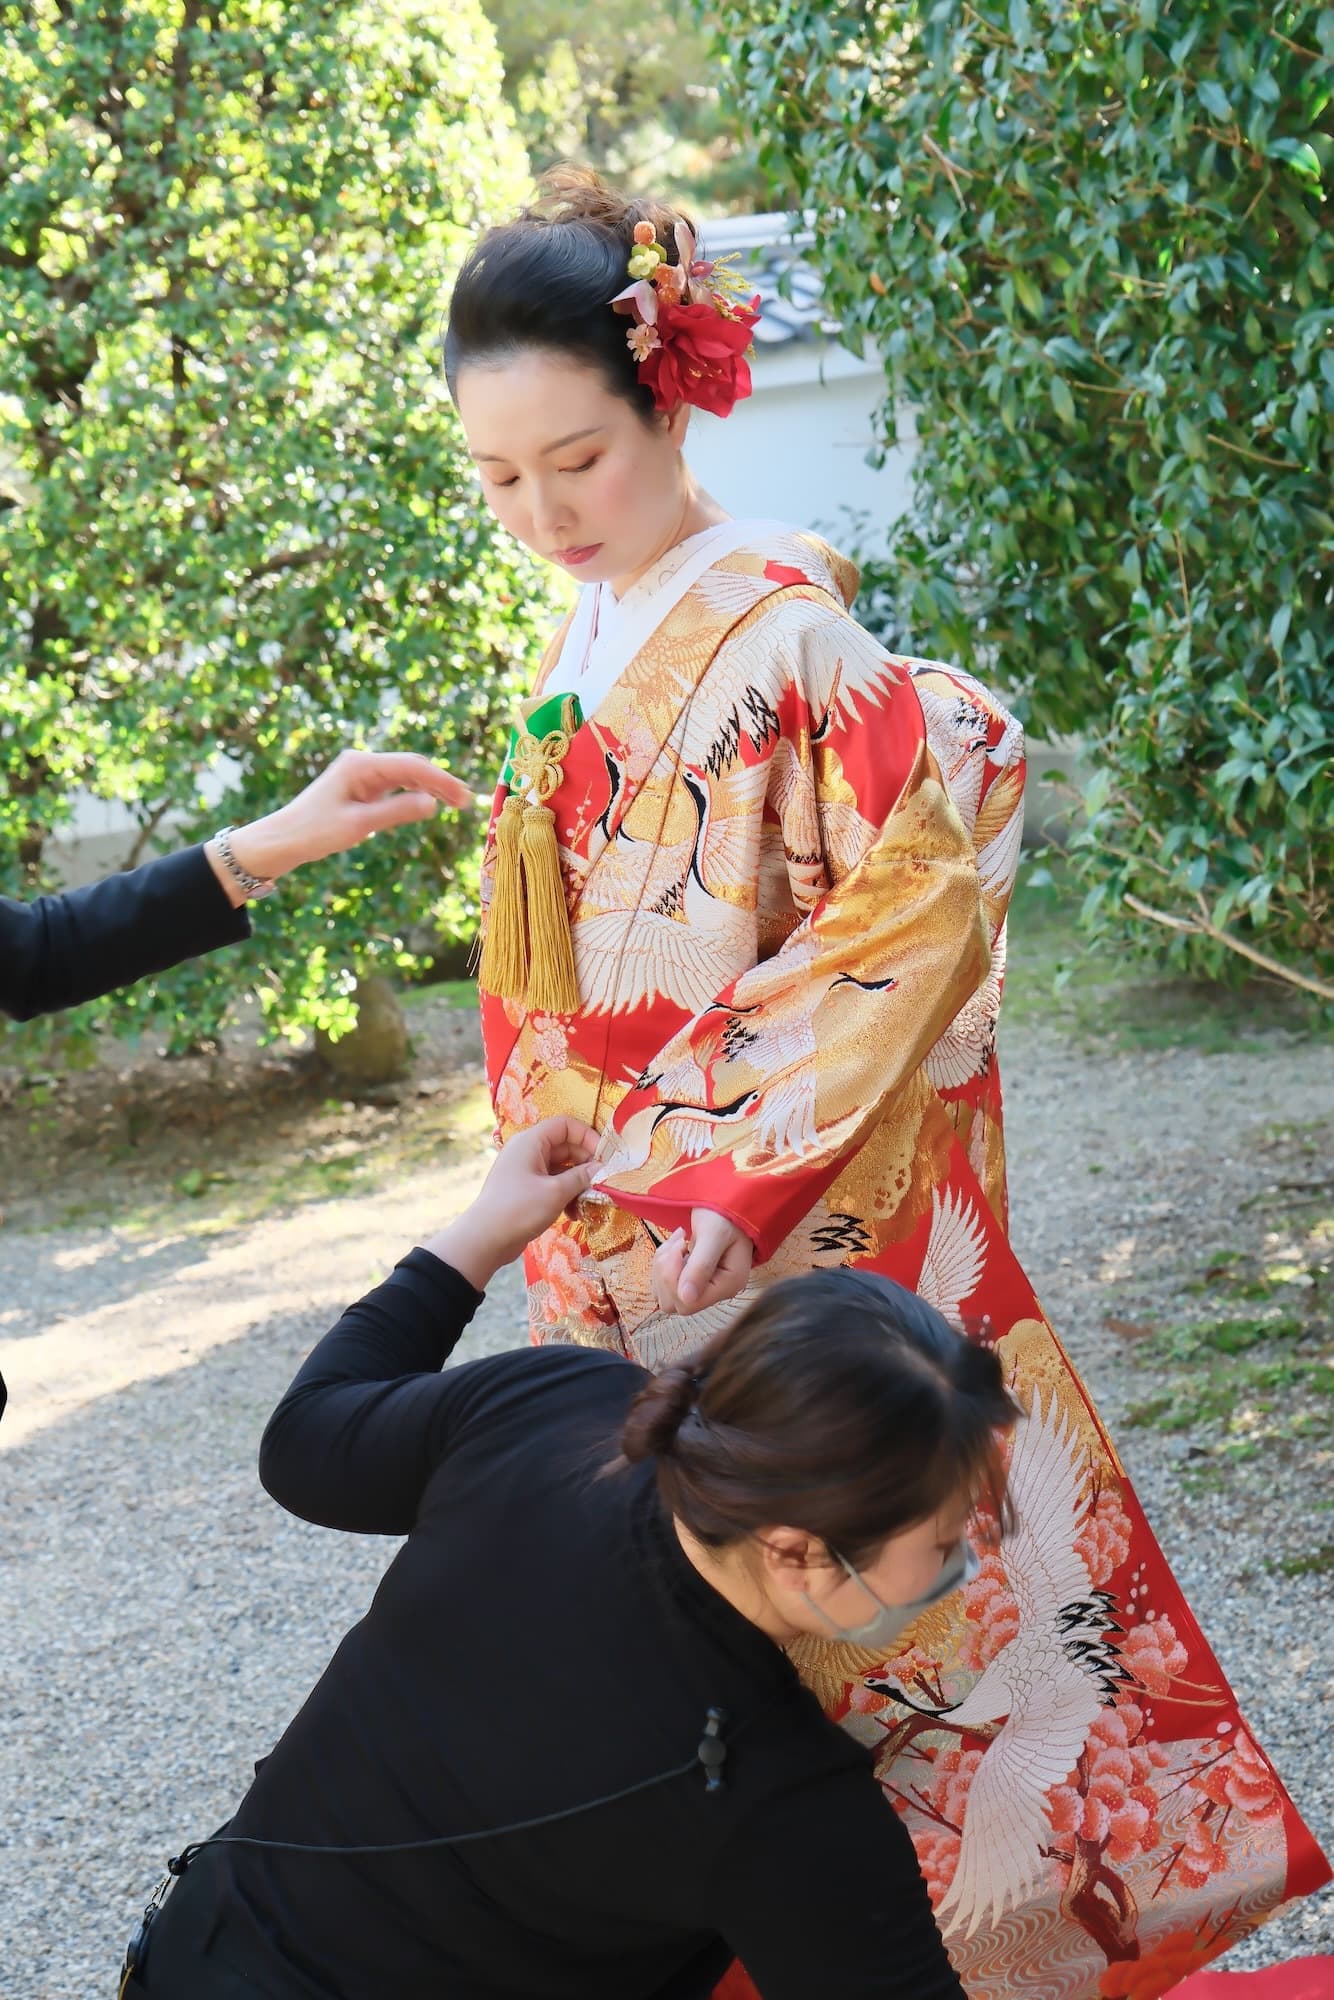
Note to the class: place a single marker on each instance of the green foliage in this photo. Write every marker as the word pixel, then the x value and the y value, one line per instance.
pixel 1107 999
pixel 1092 243
pixel 628 87
pixel 249 528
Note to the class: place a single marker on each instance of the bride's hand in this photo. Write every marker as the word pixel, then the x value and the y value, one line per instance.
pixel 712 1264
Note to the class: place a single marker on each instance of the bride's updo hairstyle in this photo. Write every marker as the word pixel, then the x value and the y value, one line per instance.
pixel 838 1403
pixel 547 279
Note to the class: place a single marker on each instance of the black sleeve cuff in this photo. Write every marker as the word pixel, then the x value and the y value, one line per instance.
pixel 214 921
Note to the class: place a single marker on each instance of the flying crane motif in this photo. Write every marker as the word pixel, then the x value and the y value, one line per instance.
pixel 1045 1687
pixel 968 1046
pixel 956 1249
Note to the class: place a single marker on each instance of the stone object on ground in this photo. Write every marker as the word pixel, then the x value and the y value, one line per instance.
pixel 377 1049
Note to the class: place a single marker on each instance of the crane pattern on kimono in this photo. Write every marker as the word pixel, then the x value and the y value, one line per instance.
pixel 956 735
pixel 615 780
pixel 885 985
pixel 694 1130
pixel 1044 1688
pixel 683 923
pixel 954 1258
pixel 823 1239
pixel 968 1046
pixel 730 704
pixel 957 732
pixel 825 837
pixel 841 1235
pixel 784 1051
pixel 680 940
pixel 751 717
pixel 724 813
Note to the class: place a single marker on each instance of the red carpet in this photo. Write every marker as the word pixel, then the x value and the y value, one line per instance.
pixel 1299 1979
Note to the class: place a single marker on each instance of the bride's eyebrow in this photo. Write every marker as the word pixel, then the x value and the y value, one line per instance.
pixel 557 444
pixel 571 437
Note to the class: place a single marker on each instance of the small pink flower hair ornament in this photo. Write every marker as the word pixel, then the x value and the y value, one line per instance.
pixel 693 322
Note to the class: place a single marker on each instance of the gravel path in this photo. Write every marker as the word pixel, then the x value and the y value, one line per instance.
pixel 162 1619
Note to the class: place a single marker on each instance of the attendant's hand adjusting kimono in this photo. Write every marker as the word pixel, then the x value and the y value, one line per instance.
pixel 787 860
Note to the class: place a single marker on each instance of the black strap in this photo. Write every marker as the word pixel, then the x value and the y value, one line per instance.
pixel 180 1862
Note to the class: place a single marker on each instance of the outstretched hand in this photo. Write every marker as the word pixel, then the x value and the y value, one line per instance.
pixel 702 1269
pixel 362 792
pixel 537 1175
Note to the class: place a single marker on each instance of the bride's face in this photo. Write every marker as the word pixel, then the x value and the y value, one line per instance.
pixel 572 469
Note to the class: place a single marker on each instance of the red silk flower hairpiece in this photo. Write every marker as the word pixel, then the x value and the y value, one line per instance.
pixel 691 336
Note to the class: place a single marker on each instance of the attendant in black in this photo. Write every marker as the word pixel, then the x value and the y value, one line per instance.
pixel 596 1559
pixel 59 951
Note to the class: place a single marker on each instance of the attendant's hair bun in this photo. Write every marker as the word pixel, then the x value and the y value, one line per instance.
pixel 837 1402
pixel 657 1414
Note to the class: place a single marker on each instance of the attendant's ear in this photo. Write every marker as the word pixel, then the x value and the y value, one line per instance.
pixel 787 1555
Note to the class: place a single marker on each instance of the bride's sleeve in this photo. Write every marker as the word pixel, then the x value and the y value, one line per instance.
pixel 803 1054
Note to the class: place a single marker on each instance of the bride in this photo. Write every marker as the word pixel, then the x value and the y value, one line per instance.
pixel 745 890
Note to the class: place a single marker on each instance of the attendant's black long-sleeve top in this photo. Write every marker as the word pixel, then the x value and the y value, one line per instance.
pixel 541 1641
pixel 59 951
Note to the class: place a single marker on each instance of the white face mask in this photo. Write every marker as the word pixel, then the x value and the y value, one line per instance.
pixel 892 1620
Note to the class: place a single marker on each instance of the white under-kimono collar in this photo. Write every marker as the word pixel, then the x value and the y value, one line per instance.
pixel 606 632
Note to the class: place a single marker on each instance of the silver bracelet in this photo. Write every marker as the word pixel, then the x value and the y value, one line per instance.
pixel 252 887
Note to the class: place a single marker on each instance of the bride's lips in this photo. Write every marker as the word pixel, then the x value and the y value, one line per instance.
pixel 572 558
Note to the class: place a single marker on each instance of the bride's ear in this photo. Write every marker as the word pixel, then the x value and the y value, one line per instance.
pixel 678 422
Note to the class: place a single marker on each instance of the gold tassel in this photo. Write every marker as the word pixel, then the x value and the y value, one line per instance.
pixel 552 988
pixel 504 967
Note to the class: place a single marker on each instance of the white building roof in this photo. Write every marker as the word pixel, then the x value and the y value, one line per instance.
pixel 769 256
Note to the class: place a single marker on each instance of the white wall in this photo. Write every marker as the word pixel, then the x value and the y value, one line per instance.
pixel 102 833
pixel 796 449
